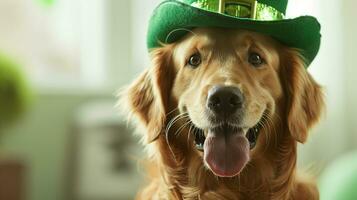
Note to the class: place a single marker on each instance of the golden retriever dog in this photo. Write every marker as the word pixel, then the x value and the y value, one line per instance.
pixel 222 112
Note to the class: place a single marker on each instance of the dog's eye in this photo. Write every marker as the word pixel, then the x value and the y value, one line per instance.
pixel 195 60
pixel 255 59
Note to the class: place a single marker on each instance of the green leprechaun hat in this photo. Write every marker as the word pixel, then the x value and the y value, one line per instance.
pixel 173 18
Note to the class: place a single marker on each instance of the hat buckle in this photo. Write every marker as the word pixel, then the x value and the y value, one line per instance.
pixel 235 7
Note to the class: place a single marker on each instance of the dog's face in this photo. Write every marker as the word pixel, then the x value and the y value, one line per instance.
pixel 227 86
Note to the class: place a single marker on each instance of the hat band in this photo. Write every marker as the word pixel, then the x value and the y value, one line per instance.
pixel 250 9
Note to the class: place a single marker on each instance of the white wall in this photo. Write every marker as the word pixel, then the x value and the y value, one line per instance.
pixel 141 12
pixel 350 33
pixel 119 42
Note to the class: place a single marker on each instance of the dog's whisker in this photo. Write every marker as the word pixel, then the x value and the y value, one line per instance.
pixel 263 126
pixel 170 124
pixel 173 110
pixel 268 126
pixel 179 130
pixel 189 134
pixel 174 120
pixel 167 130
pixel 272 125
pixel 170 148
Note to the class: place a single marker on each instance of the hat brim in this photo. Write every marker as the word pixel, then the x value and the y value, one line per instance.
pixel 302 32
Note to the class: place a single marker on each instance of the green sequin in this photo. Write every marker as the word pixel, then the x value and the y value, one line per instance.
pixel 265 12
pixel 240 9
pixel 211 5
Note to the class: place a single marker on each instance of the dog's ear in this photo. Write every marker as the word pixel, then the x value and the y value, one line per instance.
pixel 305 98
pixel 149 95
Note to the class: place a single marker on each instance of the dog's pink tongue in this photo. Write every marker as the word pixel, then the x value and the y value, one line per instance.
pixel 226 153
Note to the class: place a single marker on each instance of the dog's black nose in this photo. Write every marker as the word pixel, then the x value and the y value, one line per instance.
pixel 224 101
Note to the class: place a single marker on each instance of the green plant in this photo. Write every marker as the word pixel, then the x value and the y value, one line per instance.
pixel 15 94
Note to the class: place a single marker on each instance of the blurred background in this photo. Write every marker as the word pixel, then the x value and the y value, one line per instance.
pixel 61 63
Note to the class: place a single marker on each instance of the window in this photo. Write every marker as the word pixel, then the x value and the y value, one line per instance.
pixel 59 43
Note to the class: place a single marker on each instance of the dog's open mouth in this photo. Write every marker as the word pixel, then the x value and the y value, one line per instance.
pixel 226 148
pixel 252 136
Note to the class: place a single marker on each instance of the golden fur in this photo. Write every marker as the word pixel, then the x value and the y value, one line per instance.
pixel 169 96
